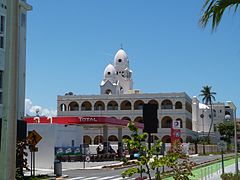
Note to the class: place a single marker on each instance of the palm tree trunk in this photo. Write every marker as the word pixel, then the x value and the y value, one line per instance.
pixel 211 121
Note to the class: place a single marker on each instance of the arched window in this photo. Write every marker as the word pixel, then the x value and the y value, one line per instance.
pixel 166 139
pixel 99 105
pixel 86 106
pixel 166 104
pixel 73 106
pixel 87 139
pixel 178 105
pixel 98 139
pixel 112 105
pixel 126 118
pixel 63 107
pixel 112 138
pixel 108 91
pixel 138 105
pixel 153 102
pixel 227 113
pixel 181 123
pixel 166 122
pixel 214 113
pixel 138 119
pixel 126 105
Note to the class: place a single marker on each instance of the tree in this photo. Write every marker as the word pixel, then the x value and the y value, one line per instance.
pixel 136 144
pixel 226 130
pixel 21 159
pixel 208 97
pixel 149 159
pixel 178 161
pixel 214 9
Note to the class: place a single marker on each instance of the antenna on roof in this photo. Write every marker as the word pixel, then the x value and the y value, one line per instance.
pixel 121 46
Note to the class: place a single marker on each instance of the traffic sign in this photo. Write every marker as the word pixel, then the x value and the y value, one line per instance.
pixel 87 158
pixel 34 137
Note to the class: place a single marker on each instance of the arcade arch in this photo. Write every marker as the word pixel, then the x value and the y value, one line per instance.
pixel 112 138
pixel 138 105
pixel 126 105
pixel 178 105
pixel 153 102
pixel 98 139
pixel 99 105
pixel 138 119
pixel 86 106
pixel 166 139
pixel 166 122
pixel 126 118
pixel 166 104
pixel 112 105
pixel 73 106
pixel 87 139
pixel 63 107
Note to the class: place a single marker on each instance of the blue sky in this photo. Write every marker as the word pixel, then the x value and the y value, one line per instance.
pixel 69 44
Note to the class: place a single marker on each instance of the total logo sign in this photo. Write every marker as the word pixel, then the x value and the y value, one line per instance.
pixel 88 119
pixel 176 125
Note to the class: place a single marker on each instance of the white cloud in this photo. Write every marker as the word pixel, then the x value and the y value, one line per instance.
pixel 31 109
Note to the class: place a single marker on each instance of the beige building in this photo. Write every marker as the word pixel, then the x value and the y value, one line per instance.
pixel 201 117
pixel 118 99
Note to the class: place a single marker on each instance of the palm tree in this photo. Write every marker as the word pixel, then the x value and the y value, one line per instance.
pixel 214 9
pixel 208 96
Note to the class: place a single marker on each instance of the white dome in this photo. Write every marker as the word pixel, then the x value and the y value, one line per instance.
pixel 121 58
pixel 109 71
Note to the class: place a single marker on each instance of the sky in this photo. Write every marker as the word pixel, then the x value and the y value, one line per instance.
pixel 69 44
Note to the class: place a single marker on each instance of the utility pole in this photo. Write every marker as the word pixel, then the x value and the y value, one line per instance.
pixel 9 117
pixel 234 108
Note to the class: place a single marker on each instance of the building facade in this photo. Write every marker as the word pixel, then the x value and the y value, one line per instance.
pixel 201 117
pixel 23 8
pixel 118 99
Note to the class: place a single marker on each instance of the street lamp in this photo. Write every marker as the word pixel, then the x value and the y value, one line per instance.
pixel 228 117
pixel 222 146
pixel 202 116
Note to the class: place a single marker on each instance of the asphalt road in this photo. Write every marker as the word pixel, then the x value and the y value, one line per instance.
pixel 102 174
pixel 111 174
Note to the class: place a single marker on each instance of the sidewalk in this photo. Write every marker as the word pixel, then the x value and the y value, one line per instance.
pixel 228 169
pixel 213 171
pixel 73 166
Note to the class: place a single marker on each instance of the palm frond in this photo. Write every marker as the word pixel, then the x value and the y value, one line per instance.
pixel 214 10
pixel 235 9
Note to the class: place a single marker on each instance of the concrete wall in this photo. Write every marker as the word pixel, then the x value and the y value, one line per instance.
pixel 53 135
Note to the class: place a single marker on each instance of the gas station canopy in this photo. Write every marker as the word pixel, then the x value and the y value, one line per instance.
pixel 81 120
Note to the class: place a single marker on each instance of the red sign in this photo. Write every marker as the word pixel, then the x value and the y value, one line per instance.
pixel 175 135
pixel 84 120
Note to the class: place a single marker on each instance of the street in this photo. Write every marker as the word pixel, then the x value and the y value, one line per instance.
pixel 101 174
pixel 107 174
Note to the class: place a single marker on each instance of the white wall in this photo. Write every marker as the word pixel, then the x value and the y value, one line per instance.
pixel 53 135
pixel 45 154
